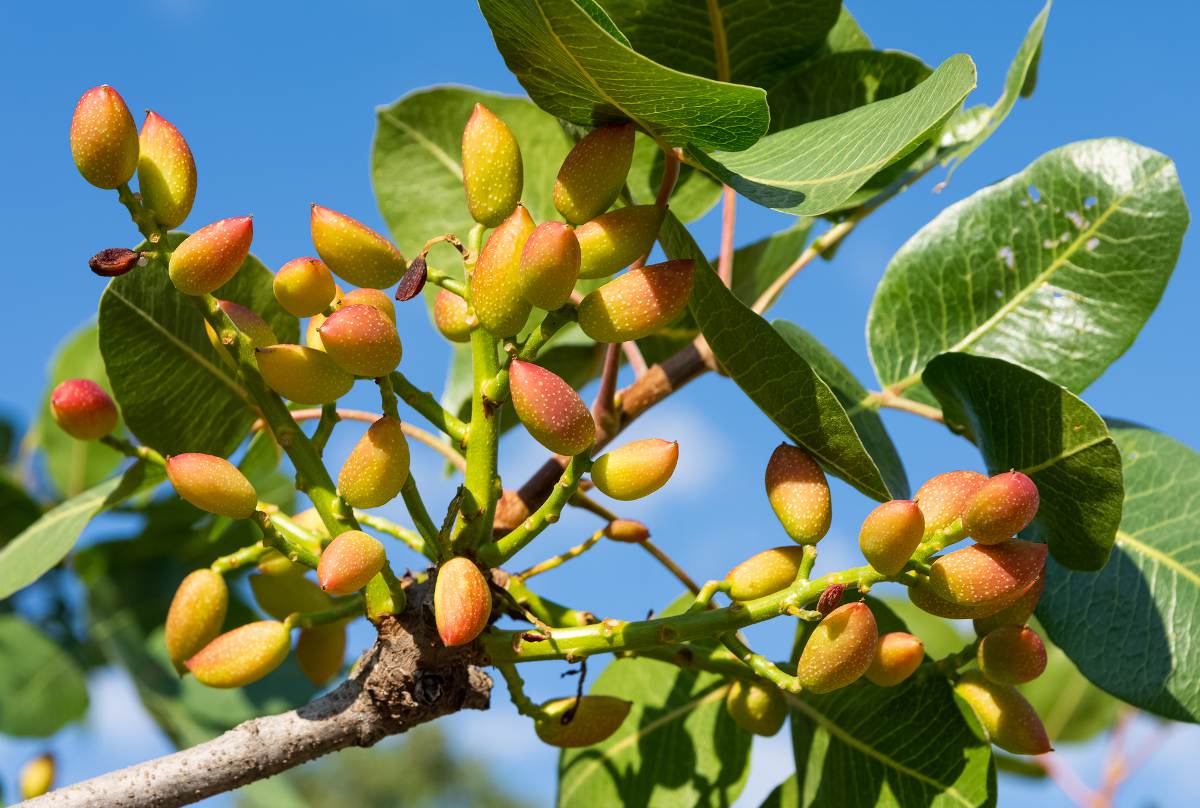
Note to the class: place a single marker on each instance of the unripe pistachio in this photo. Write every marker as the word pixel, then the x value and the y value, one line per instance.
pixel 212 484
pixel 571 722
pixel 1009 720
pixel 353 251
pixel 376 298
pixel 242 656
pixel 312 333
pixel 104 138
pixel 897 656
pixel 321 651
pixel 208 258
pixel 248 322
pixel 304 287
pixel 496 279
pixel 593 174
pixel 1001 508
pixel 985 574
pixel 83 409
pixel 462 602
pixel 350 560
pixel 839 650
pixel 303 375
pixel 1016 614
pixel 616 239
pixel 756 708
pixel 491 167
pixel 637 303
pixel 196 615
pixel 630 531
pixel 890 534
pixel 1012 655
pixel 637 469
pixel 452 316
pixel 37 776
pixel 764 573
pixel 799 494
pixel 166 171
pixel 549 265
pixel 362 340
pixel 924 598
pixel 283 594
pixel 377 467
pixel 550 409
pixel 943 498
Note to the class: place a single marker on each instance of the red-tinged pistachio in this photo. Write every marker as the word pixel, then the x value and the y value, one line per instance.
pixel 304 286
pixel 491 165
pixel 942 499
pixel 764 573
pixel 37 777
pixel 353 251
pixel 242 656
pixel 166 171
pixel 303 375
pixel 890 535
pixel 593 174
pixel 377 467
pixel 549 265
pixel 350 560
pixel 839 650
pixel 615 240
pixel 375 298
pixel 1001 508
pixel 630 531
pixel 924 598
pixel 756 708
pixel 799 494
pixel 196 615
pixel 550 409
pixel 248 322
pixel 1009 720
pixel 462 602
pixel 104 138
pixel 571 723
pixel 985 574
pixel 1012 655
pixel 496 279
pixel 212 484
pixel 208 258
pixel 638 303
pixel 452 316
pixel 637 469
pixel 83 409
pixel 321 652
pixel 1018 613
pixel 282 594
pixel 362 340
pixel 897 656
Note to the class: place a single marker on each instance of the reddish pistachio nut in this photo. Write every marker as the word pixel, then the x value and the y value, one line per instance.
pixel 242 656
pixel 282 594
pixel 1018 613
pixel 1009 720
pixel 616 239
pixel 593 174
pixel 924 598
pixel 362 340
pixel 304 287
pixel 377 467
pixel 462 602
pixel 942 499
pixel 839 650
pixel 1012 655
pixel 890 535
pixel 37 777
pixel 897 656
pixel 756 708
pixel 571 723
pixel 321 651
pixel 350 560
pixel 83 409
pixel 303 375
pixel 549 265
pixel 208 258
pixel 799 494
pixel 491 167
pixel 1001 508
pixel 630 531
pixel 212 484
pixel 353 251
pixel 550 409
pixel 764 573
pixel 987 574
pixel 638 303
pixel 166 171
pixel 196 615
pixel 496 279
pixel 452 316
pixel 375 298
pixel 104 138
pixel 248 322
pixel 637 469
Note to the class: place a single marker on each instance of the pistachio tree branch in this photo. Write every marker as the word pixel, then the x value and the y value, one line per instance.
pixel 427 406
pixel 561 558
pixel 506 547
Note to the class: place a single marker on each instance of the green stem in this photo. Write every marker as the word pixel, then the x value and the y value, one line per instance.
pixel 807 560
pixel 516 692
pixel 544 609
pixel 707 593
pixel 329 419
pixel 507 546
pixel 479 484
pixel 387 397
pixel 450 284
pixel 562 558
pixel 293 550
pixel 390 528
pixel 496 389
pixel 760 664
pixel 428 407
pixel 421 518
pixel 130 450
pixel 344 608
pixel 239 558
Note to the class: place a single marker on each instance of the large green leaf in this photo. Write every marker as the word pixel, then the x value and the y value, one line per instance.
pixel 1133 628
pixel 695 192
pixel 575 69
pixel 812 169
pixel 1023 421
pixel 1055 268
pixel 846 34
pixel 41 687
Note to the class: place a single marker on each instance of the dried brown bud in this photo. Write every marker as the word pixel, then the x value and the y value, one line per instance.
pixel 414 279
pixel 113 261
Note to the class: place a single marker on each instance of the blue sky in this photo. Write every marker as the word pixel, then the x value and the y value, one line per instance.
pixel 278 107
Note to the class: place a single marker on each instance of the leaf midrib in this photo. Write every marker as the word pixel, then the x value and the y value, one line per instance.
pixel 436 151
pixel 1126 538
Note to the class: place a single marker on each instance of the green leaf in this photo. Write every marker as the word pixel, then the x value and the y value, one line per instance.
pixel 41 687
pixel 695 192
pixel 17 510
pixel 1059 279
pixel 1020 420
pixel 812 169
pixel 1132 627
pixel 573 68
pixel 776 378
pixel 1072 709
pixel 846 34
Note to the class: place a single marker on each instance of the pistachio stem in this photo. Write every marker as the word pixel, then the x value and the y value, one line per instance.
pixel 293 550
pixel 329 419
pixel 707 593
pixel 343 608
pixel 561 558
pixel 479 482
pixel 421 518
pixel 760 664
pixel 427 406
pixel 130 450
pixel 410 537
pixel 545 610
pixel 516 692
pixel 244 557
pixel 387 397
pixel 506 547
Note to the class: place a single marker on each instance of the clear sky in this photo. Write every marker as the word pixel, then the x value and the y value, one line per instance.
pixel 277 101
